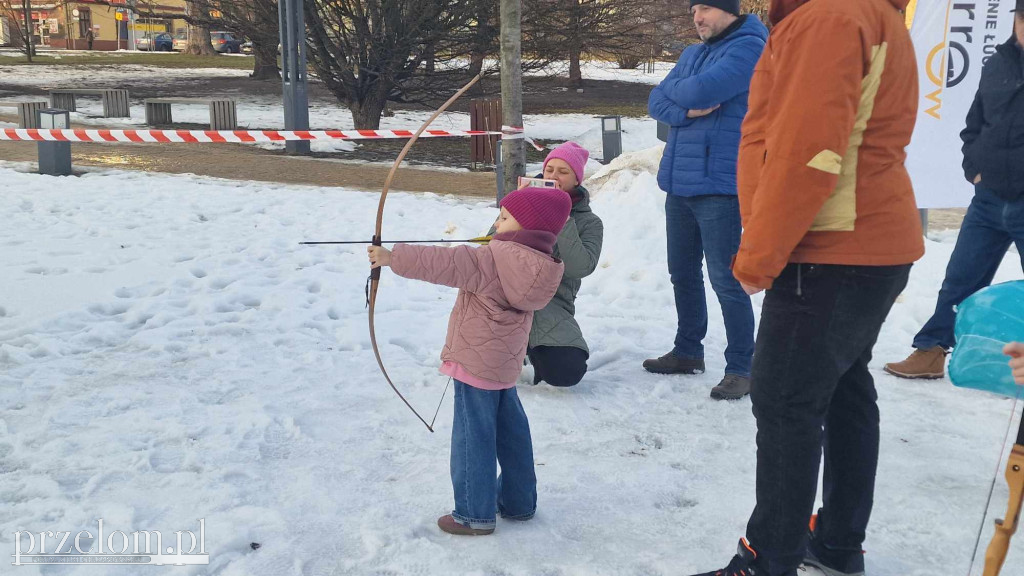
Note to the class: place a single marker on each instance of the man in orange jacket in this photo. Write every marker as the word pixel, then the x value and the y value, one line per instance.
pixel 831 229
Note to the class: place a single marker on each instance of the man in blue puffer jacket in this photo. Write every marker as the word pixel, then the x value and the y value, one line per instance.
pixel 704 100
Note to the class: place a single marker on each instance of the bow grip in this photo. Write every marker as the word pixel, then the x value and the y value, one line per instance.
pixel 375 273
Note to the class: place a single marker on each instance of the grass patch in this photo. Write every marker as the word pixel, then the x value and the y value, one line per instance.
pixel 629 110
pixel 116 58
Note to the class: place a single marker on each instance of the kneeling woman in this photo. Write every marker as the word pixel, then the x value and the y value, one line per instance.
pixel 557 349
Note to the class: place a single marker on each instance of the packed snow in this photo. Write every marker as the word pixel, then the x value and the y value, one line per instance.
pixel 170 353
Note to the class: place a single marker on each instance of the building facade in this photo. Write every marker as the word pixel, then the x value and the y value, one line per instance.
pixel 87 25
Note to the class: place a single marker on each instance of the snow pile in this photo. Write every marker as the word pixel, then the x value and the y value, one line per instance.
pixel 168 352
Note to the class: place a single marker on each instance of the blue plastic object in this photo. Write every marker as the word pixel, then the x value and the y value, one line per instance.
pixel 985 322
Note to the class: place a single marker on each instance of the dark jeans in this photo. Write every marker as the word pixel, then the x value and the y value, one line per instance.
pixel 561 366
pixel 491 428
pixel 811 389
pixel 699 228
pixel 991 225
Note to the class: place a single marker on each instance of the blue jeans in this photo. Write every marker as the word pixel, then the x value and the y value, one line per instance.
pixel 491 428
pixel 812 392
pixel 708 227
pixel 991 225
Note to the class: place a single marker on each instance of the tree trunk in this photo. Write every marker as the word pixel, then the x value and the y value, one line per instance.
pixel 575 74
pixel 29 48
pixel 476 65
pixel 199 41
pixel 366 114
pixel 513 150
pixel 431 60
pixel 265 65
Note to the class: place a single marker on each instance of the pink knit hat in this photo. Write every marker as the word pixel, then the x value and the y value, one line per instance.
pixel 574 155
pixel 544 209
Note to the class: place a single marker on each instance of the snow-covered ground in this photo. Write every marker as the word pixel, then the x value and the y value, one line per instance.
pixel 59 76
pixel 168 352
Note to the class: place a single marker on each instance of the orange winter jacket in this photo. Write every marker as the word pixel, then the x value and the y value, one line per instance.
pixel 821 171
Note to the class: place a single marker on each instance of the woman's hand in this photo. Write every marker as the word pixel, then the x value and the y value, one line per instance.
pixel 379 256
pixel 1015 350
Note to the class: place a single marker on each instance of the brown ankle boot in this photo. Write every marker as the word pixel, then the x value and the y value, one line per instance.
pixel 926 364
pixel 452 526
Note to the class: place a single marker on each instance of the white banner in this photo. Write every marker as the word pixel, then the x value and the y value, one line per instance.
pixel 953 39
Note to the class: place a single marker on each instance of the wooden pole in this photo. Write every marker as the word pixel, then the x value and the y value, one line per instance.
pixel 514 150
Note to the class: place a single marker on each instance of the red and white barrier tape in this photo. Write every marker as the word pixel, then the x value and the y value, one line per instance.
pixel 513 133
pixel 221 136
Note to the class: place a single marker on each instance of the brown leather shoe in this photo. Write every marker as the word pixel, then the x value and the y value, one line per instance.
pixel 926 364
pixel 732 387
pixel 452 526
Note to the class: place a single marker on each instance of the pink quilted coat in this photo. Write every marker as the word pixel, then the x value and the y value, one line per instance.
pixel 500 286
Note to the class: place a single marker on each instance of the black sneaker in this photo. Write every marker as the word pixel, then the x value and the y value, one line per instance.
pixel 672 364
pixel 831 562
pixel 742 563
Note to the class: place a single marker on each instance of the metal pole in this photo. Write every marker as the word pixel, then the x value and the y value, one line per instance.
pixel 293 56
pixel 924 221
pixel 499 171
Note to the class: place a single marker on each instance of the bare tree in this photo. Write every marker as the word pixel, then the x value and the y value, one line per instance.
pixel 256 20
pixel 197 16
pixel 18 20
pixel 578 27
pixel 758 7
pixel 368 52
pixel 483 38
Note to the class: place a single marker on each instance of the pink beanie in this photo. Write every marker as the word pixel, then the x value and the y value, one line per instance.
pixel 574 155
pixel 544 209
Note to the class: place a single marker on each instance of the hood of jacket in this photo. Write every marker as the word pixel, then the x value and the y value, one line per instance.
pixel 529 278
pixel 782 8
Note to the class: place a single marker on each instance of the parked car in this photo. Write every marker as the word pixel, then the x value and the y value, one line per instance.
pixel 247 47
pixel 180 42
pixel 226 43
pixel 162 42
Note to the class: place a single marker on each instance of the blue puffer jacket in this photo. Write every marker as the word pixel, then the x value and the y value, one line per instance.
pixel 700 156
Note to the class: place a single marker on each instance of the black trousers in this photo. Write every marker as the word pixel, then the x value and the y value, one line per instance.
pixel 561 366
pixel 812 391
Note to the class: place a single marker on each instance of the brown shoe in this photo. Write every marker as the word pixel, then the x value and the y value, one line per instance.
pixel 926 364
pixel 732 387
pixel 672 364
pixel 452 526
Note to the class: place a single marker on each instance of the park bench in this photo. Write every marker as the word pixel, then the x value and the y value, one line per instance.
pixel 223 114
pixel 27 112
pixel 115 102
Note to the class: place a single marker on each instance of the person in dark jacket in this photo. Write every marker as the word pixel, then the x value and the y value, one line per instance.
pixel 994 162
pixel 704 100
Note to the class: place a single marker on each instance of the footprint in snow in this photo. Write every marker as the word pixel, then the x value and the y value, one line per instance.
pixel 43 271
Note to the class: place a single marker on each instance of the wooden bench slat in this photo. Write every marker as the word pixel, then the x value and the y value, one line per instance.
pixel 185 100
